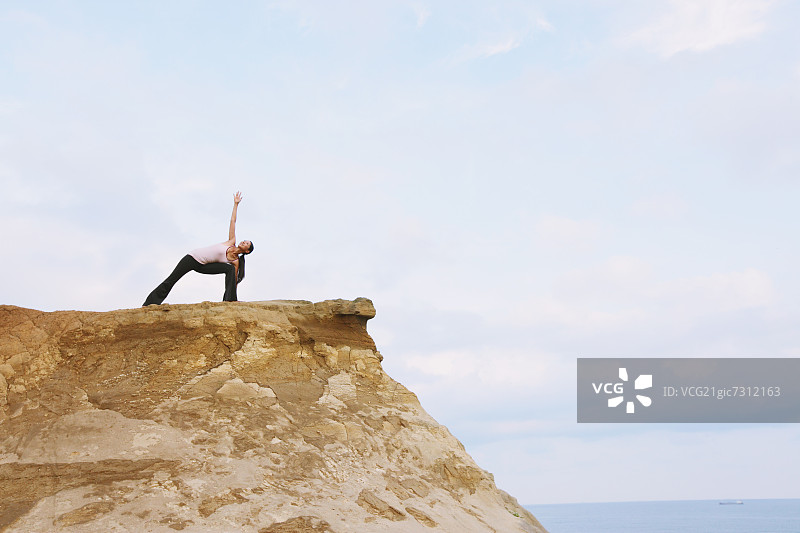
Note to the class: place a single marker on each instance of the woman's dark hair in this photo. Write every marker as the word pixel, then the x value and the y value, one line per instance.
pixel 240 277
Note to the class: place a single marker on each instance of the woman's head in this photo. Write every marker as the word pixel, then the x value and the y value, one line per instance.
pixel 246 247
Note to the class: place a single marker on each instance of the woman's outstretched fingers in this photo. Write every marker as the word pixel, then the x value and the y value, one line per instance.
pixel 237 197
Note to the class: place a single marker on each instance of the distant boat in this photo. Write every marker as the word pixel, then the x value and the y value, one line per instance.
pixel 731 502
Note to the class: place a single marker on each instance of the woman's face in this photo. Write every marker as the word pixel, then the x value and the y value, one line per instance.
pixel 244 247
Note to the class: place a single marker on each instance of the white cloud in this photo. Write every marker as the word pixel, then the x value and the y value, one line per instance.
pixel 694 463
pixel 24 18
pixel 626 294
pixel 491 373
pixel 544 24
pixel 564 232
pixel 487 48
pixel 617 278
pixel 18 192
pixel 625 280
pixel 502 34
pixel 422 12
pixel 578 317
pixel 701 25
pixel 718 293
pixel 502 47
pixel 512 428
pixel 87 271
pixel 669 206
pixel 8 107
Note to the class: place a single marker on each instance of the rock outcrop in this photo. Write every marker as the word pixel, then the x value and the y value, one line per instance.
pixel 260 417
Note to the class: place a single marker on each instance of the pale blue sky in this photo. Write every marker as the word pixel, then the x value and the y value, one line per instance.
pixel 514 184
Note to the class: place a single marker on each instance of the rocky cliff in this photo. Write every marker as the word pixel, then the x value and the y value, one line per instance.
pixel 255 417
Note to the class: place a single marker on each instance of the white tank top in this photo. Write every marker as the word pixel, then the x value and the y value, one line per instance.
pixel 216 253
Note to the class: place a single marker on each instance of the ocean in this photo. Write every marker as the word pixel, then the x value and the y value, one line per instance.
pixel 695 516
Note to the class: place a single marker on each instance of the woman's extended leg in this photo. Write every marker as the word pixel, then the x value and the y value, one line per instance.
pixel 159 293
pixel 230 278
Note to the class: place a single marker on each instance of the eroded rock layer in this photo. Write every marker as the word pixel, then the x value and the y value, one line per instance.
pixel 256 417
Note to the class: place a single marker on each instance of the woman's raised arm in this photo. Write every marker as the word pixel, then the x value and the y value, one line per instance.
pixel 232 231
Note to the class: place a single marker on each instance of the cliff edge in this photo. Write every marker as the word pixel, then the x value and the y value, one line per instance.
pixel 262 417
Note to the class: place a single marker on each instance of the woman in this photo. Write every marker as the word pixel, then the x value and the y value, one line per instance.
pixel 223 258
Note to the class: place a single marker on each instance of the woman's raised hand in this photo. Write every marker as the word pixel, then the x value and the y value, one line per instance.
pixel 232 230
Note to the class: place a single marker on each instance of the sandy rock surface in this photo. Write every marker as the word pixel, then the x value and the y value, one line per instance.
pixel 262 417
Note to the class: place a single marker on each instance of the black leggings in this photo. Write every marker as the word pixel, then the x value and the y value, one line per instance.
pixel 190 263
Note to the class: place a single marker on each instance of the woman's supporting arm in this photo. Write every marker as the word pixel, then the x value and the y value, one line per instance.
pixel 232 231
